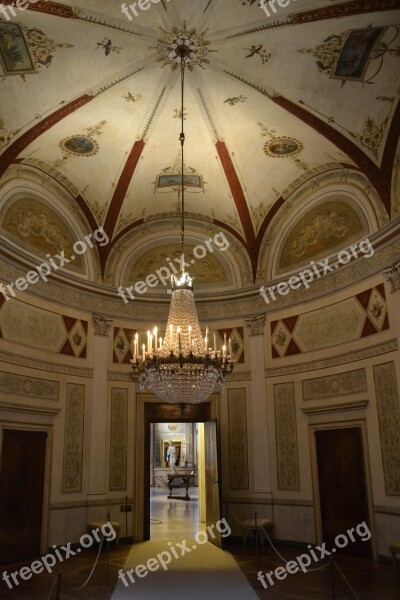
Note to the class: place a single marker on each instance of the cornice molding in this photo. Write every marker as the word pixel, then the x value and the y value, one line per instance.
pixel 40 365
pixel 341 359
pixel 95 298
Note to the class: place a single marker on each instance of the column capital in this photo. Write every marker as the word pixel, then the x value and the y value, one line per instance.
pixel 101 325
pixel 393 275
pixel 255 324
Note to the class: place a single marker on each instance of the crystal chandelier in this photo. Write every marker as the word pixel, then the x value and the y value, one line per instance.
pixel 183 367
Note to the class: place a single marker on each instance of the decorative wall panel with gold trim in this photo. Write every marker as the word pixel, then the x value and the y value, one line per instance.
pixel 73 438
pixel 357 317
pixel 238 454
pixel 34 327
pixel 118 439
pixel 387 402
pixel 287 454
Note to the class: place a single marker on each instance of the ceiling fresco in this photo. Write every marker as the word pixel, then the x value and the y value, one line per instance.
pixel 91 99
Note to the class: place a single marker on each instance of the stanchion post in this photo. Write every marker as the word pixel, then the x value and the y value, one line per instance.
pixel 108 553
pixel 332 562
pixel 59 583
pixel 257 550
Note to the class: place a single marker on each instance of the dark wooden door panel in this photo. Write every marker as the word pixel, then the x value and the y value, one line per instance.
pixel 22 475
pixel 342 487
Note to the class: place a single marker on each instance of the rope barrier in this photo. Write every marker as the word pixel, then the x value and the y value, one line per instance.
pixel 52 588
pixel 286 561
pixel 347 581
pixel 77 589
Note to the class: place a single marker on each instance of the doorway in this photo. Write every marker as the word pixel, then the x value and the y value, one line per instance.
pixel 174 445
pixel 342 486
pixel 22 481
pixel 150 410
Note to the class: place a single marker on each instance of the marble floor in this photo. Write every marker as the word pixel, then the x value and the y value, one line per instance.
pixel 171 519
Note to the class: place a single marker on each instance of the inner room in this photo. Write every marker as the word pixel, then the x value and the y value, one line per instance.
pixel 174 451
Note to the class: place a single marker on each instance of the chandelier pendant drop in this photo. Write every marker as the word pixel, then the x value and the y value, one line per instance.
pixel 183 367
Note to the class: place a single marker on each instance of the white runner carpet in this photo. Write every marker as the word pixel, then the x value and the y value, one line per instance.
pixel 206 573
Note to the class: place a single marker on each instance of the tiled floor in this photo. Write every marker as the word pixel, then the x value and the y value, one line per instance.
pixel 177 519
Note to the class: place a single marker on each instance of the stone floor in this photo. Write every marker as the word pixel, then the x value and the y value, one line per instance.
pixel 176 520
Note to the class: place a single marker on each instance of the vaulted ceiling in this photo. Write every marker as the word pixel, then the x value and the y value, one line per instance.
pixel 90 99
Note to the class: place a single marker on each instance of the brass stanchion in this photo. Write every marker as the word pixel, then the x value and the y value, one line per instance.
pixel 332 562
pixel 59 584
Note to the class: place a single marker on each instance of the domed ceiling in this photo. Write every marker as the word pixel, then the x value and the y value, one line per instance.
pixel 279 109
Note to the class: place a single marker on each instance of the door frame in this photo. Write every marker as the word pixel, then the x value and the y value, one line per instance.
pixel 37 428
pixel 148 408
pixel 342 424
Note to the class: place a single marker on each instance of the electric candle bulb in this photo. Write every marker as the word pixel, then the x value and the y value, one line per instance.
pixel 155 337
pixel 190 337
pixel 144 352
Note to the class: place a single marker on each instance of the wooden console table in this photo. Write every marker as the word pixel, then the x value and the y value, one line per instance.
pixel 186 477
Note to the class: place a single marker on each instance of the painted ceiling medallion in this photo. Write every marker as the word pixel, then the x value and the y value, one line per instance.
pixel 282 147
pixel 167 47
pixel 80 145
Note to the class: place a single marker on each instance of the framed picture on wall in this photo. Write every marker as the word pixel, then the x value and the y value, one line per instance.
pixel 164 450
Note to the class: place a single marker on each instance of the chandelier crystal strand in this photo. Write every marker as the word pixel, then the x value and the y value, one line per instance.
pixel 182 367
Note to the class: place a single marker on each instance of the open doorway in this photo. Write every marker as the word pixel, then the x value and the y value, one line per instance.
pixel 174 501
pixel 149 411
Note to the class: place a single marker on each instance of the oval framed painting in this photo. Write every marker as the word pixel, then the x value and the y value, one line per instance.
pixel 80 145
pixel 282 147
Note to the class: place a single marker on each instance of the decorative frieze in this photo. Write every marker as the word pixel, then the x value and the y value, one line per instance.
pixel 331 386
pixel 286 437
pixel 208 311
pixel 238 455
pixel 73 438
pixel 118 439
pixel 29 387
pixel 387 401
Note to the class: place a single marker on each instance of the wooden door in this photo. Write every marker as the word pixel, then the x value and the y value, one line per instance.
pixel 22 476
pixel 342 487
pixel 213 511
